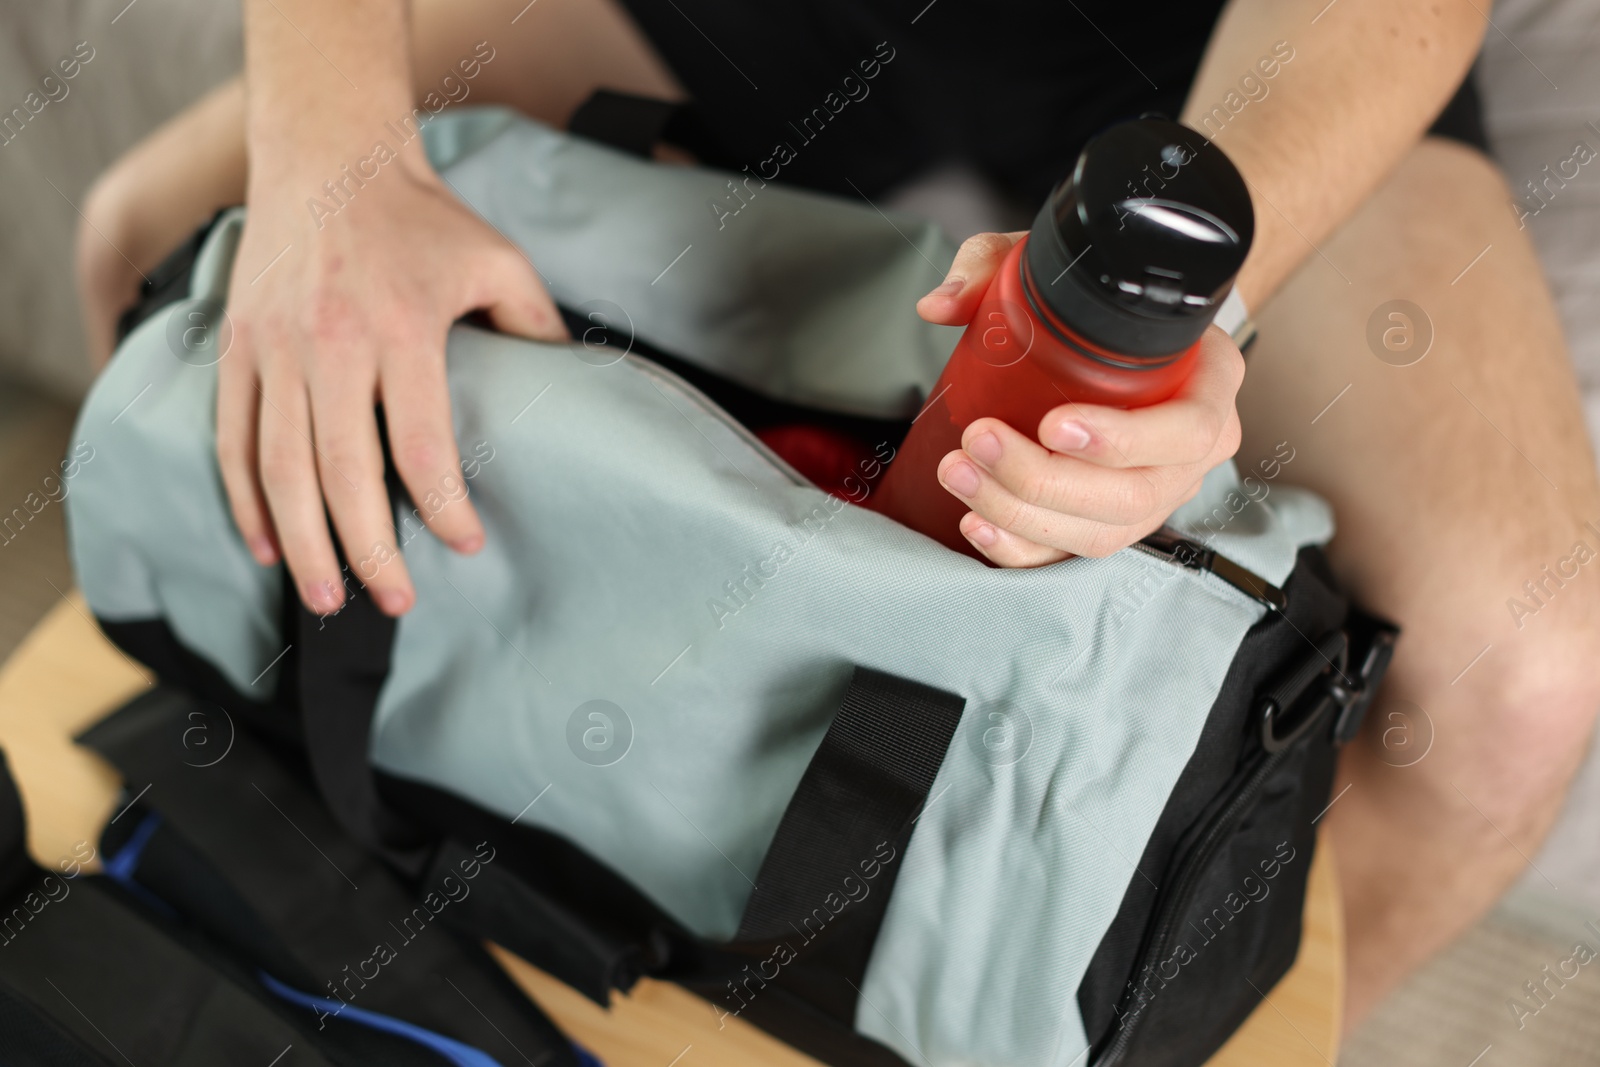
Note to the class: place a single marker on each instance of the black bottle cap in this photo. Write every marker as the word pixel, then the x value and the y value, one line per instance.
pixel 1137 249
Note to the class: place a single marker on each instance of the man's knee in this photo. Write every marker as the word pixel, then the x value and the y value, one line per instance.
pixel 1526 713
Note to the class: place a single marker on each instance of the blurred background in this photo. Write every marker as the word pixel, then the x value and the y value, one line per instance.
pixel 1540 77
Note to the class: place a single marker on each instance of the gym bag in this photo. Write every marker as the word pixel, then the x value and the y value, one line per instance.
pixel 721 726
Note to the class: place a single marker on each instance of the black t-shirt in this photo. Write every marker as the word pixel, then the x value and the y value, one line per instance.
pixel 858 96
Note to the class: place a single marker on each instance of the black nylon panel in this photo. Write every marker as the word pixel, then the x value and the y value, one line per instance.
pixel 30 1038
pixel 1209 780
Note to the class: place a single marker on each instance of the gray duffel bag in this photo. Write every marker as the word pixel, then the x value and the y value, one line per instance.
pixel 730 729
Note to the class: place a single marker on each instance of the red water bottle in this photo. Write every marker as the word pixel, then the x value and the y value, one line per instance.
pixel 1103 302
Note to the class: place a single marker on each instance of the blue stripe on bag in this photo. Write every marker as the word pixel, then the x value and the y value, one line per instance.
pixel 121 865
pixel 457 1053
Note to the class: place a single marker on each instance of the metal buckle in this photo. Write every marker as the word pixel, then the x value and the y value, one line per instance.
pixel 1304 696
pixel 1324 680
pixel 1372 641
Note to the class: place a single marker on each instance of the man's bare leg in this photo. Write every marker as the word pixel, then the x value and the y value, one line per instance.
pixel 1454 480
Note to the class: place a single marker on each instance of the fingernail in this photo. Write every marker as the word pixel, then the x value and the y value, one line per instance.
pixel 321 596
pixel 263 551
pixel 1070 436
pixel 986 449
pixel 961 479
pixel 392 601
pixel 467 545
pixel 949 287
pixel 984 535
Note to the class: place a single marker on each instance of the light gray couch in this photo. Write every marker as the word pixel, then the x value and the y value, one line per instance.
pixel 149 59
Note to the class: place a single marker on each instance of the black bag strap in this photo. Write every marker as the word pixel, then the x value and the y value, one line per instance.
pixel 592 957
pixel 249 855
pixel 339 665
pixel 858 797
pixel 624 121
pixel 822 892
pixel 855 805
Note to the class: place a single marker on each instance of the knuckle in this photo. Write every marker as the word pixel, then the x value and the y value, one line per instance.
pixel 256 334
pixel 1230 438
pixel 1233 364
pixel 1135 499
pixel 246 342
pixel 1011 513
pixel 1036 485
pixel 330 317
pixel 1103 541
pixel 417 453
pixel 984 246
pixel 1204 431
pixel 1113 444
pixel 1123 499
pixel 512 265
pixel 279 470
pixel 338 460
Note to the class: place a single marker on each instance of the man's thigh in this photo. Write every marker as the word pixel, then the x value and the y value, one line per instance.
pixel 1457 477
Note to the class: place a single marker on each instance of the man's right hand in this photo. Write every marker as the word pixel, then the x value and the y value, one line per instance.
pixel 331 320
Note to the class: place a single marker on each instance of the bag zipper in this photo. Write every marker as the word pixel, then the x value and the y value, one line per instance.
pixel 656 373
pixel 1169 545
pixel 1194 866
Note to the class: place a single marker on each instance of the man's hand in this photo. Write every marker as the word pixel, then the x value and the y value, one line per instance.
pixel 329 322
pixel 1096 479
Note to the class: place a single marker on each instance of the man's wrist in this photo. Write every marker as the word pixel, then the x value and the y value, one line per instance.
pixel 280 155
pixel 311 106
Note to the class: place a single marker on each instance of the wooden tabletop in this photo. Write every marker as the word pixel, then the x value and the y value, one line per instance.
pixel 66 675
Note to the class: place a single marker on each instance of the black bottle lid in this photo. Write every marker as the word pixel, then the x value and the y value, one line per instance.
pixel 1137 249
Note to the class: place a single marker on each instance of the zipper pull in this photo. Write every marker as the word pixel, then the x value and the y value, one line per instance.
pixel 1169 544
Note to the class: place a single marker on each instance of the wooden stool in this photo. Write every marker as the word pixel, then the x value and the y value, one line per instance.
pixel 66 675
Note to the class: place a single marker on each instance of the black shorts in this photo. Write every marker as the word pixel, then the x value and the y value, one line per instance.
pixel 857 96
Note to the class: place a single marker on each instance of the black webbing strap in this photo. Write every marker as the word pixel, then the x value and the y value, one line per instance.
pixel 626 122
pixel 340 664
pixel 855 803
pixel 542 930
pixel 247 853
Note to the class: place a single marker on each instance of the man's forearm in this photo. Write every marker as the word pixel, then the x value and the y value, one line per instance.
pixel 1314 139
pixel 321 80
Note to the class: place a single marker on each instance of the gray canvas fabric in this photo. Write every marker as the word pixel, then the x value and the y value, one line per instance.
pixel 648 651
